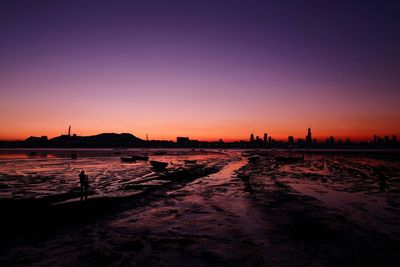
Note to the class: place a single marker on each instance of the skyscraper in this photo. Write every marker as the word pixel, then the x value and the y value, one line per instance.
pixel 309 137
pixel 252 138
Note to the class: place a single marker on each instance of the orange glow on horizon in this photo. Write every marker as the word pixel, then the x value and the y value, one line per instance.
pixel 226 136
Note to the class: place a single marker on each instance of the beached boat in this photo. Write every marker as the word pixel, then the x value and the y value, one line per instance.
pixel 127 159
pixel 159 153
pixel 144 158
pixel 158 165
pixel 134 158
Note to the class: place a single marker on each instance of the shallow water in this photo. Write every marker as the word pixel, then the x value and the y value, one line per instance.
pixel 328 210
pixel 365 188
pixel 25 176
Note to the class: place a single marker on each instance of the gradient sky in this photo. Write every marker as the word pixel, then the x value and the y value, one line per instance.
pixel 203 69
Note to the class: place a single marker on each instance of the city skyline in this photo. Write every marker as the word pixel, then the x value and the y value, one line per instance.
pixel 215 137
pixel 265 137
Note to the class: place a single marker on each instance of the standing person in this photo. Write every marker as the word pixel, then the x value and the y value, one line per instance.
pixel 84 181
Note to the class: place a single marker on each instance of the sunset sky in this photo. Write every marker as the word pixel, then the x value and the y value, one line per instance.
pixel 203 69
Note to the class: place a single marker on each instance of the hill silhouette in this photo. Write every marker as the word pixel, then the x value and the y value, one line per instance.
pixel 100 140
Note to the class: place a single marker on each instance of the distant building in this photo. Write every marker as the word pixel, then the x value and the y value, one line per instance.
pixel 270 140
pixel 265 138
pixel 290 140
pixel 331 140
pixel 394 139
pixel 314 141
pixel 309 137
pixel 386 139
pixel 252 138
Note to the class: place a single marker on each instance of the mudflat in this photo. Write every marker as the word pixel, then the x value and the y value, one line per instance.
pixel 228 208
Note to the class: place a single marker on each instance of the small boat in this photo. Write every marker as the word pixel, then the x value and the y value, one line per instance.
pixel 158 165
pixel 159 153
pixel 127 159
pixel 144 158
pixel 190 161
pixel 134 158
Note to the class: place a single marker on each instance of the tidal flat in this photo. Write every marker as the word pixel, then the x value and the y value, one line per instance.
pixel 208 208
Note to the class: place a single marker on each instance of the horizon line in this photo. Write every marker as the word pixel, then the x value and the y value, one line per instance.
pixel 360 138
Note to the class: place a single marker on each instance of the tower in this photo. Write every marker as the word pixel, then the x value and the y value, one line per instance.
pixel 309 137
pixel 252 138
pixel 69 130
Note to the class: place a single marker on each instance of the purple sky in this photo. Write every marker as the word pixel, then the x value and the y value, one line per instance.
pixel 207 69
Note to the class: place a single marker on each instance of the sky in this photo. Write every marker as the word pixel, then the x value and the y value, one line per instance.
pixel 203 69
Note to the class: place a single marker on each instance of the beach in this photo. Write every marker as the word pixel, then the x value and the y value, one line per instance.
pixel 209 208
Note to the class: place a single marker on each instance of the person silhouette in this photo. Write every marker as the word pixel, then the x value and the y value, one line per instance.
pixel 84 182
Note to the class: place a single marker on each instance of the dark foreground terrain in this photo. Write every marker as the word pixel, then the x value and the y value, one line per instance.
pixel 227 209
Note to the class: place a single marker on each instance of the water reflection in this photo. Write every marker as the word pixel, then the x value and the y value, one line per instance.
pixel 23 175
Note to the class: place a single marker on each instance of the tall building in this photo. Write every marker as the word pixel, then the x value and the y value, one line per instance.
pixel 252 138
pixel 309 137
pixel 265 138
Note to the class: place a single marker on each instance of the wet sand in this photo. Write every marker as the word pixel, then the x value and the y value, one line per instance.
pixel 338 209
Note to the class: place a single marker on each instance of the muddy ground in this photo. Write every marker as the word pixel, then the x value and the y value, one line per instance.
pixel 233 209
